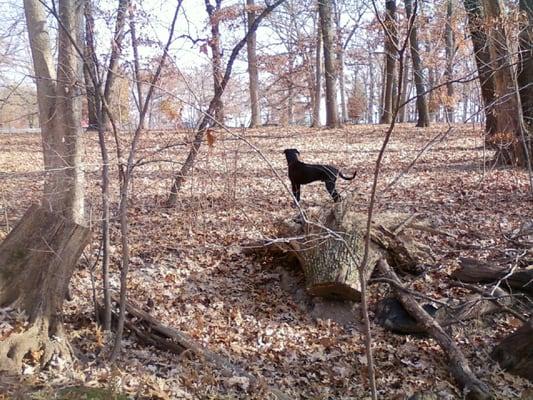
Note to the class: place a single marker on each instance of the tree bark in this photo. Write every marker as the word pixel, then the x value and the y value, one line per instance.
pixel 90 67
pixel 525 71
pixel 475 271
pixel 405 92
pixel 482 57
pixel 253 74
pixel 216 58
pixel 332 115
pixel 421 100
pixel 391 38
pixel 116 51
pixel 318 80
pixel 370 117
pixel 38 257
pixel 450 52
pixel 515 352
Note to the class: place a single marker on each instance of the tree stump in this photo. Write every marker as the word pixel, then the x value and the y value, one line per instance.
pixel 331 250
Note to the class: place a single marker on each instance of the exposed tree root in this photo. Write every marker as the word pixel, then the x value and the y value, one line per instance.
pixel 33 344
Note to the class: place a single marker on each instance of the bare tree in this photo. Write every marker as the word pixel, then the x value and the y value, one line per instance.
pixel 216 56
pixel 207 117
pixel 450 52
pixel 421 101
pixel 330 71
pixel 38 257
pixel 317 95
pixel 391 38
pixel 252 67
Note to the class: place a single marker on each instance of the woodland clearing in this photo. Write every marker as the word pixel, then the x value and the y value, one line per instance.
pixel 189 271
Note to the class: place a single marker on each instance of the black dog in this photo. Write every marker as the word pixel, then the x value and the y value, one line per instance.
pixel 301 173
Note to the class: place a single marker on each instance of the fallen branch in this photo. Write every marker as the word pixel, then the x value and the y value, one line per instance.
pixel 468 382
pixel 154 333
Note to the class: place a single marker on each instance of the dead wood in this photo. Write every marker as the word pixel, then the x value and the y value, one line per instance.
pixel 515 352
pixel 331 250
pixel 154 333
pixel 475 271
pixel 472 387
pixel 393 316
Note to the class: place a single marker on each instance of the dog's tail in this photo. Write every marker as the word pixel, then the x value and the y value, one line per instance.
pixel 347 177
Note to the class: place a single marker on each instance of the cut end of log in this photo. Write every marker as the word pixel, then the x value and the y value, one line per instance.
pixel 335 290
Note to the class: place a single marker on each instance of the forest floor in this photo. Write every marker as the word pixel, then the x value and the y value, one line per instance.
pixel 188 268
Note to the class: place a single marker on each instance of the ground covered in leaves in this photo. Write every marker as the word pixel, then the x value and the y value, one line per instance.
pixel 190 271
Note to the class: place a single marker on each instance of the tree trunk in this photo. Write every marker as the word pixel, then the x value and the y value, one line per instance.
pixel 515 352
pixel 216 58
pixel 41 238
pixel 370 119
pixel 525 74
pixel 450 52
pixel 89 68
pixel 318 80
pixel 391 38
pixel 38 257
pixel 332 117
pixel 116 51
pixel 509 122
pixel 421 100
pixel 253 74
pixel 482 57
pixel 405 92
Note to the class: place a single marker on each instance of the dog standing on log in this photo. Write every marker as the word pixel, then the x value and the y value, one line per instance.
pixel 301 173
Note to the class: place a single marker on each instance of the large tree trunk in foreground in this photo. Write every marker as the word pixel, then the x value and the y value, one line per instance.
pixel 332 114
pixel 37 258
pixel 41 238
pixel 515 352
pixel 331 252
pixel 421 100
pixel 391 36
pixel 472 387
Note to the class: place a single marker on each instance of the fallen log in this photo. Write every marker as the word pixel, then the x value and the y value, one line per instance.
pixel 154 333
pixel 475 271
pixel 393 316
pixel 330 251
pixel 515 352
pixel 471 386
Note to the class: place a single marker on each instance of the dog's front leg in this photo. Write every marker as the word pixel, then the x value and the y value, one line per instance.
pixel 296 191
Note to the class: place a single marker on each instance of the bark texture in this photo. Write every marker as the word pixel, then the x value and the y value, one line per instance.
pixel 391 38
pixel 330 71
pixel 216 58
pixel 421 100
pixel 37 259
pixel 253 74
pixel 525 71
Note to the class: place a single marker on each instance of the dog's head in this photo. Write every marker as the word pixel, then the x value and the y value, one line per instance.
pixel 291 154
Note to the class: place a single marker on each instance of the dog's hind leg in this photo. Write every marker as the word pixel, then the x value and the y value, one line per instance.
pixel 330 186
